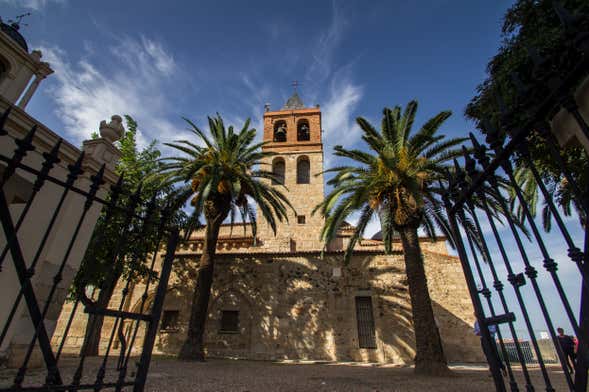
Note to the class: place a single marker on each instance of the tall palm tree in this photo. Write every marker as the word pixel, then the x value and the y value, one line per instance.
pixel 397 180
pixel 221 176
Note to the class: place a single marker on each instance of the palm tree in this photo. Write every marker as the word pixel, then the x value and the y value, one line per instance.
pixel 221 177
pixel 397 180
pixel 556 184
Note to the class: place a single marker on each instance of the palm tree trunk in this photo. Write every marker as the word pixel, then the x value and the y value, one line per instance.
pixel 193 347
pixel 429 357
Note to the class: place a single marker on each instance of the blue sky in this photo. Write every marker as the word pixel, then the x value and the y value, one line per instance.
pixel 158 61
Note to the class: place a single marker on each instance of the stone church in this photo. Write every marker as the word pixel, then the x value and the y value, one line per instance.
pixel 279 298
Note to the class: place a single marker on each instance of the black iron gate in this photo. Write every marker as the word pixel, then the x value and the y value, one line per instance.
pixel 78 197
pixel 499 248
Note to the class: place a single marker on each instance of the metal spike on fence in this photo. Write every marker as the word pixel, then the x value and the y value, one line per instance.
pixel 3 121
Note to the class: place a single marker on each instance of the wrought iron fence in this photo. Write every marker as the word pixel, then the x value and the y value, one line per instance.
pixel 515 252
pixel 77 199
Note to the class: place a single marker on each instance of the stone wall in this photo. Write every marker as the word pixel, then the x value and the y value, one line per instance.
pixel 299 306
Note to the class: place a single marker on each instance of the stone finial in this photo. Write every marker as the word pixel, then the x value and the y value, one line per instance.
pixel 114 130
pixel 267 107
pixel 36 55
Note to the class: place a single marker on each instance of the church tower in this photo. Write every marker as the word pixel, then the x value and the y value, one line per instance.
pixel 294 134
pixel 21 72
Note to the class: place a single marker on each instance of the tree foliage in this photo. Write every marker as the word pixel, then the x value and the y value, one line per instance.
pixel 222 175
pixel 396 180
pixel 532 30
pixel 227 165
pixel 107 248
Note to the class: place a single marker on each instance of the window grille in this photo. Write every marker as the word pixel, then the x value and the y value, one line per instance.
pixel 366 333
pixel 303 171
pixel 278 168
pixel 169 320
pixel 229 321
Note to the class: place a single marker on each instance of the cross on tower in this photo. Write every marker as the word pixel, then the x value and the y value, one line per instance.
pixel 296 84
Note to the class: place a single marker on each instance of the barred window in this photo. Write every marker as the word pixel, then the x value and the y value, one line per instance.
pixel 364 316
pixel 169 320
pixel 229 321
pixel 303 171
pixel 278 168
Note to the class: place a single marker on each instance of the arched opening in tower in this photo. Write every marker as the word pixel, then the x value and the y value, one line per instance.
pixel 303 170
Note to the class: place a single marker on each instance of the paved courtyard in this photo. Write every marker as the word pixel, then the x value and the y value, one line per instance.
pixel 170 375
pixel 250 376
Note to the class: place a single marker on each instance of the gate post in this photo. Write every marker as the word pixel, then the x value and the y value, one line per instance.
pixel 156 311
pixel 487 341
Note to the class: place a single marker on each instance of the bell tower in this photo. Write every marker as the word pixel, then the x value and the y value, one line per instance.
pixel 293 133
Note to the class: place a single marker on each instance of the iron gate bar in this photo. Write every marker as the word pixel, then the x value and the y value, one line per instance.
pixel 19 153
pixel 147 217
pixel 163 219
pixel 61 183
pixel 582 365
pixel 51 159
pixel 500 319
pixel 139 223
pixel 23 146
pixel 96 182
pixel 476 301
pixel 530 271
pixel 74 171
pixel 487 294
pixel 518 135
pixel 549 264
pixel 24 279
pixel 573 252
pixel 130 213
pixel 498 286
pixel 156 311
pixel 117 313
pixel 516 284
pixel 67 329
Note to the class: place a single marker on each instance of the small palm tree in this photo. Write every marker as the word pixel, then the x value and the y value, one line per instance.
pixel 557 185
pixel 397 180
pixel 220 176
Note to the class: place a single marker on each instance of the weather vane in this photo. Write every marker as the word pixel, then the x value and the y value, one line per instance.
pixel 296 84
pixel 16 22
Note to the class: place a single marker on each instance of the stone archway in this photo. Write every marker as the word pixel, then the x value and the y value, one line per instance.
pixel 229 326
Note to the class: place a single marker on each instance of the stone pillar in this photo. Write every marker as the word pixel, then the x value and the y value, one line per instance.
pixel 102 149
pixel 98 152
pixel 564 126
pixel 30 91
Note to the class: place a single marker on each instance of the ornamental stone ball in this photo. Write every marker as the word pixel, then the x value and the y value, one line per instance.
pixel 114 130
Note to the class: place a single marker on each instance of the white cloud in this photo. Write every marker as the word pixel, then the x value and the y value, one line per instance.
pixel 31 4
pixel 338 122
pixel 322 64
pixel 134 80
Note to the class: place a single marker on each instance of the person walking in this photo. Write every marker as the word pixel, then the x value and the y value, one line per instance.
pixel 567 344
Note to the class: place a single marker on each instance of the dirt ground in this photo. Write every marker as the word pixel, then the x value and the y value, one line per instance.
pixel 250 376
pixel 170 375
